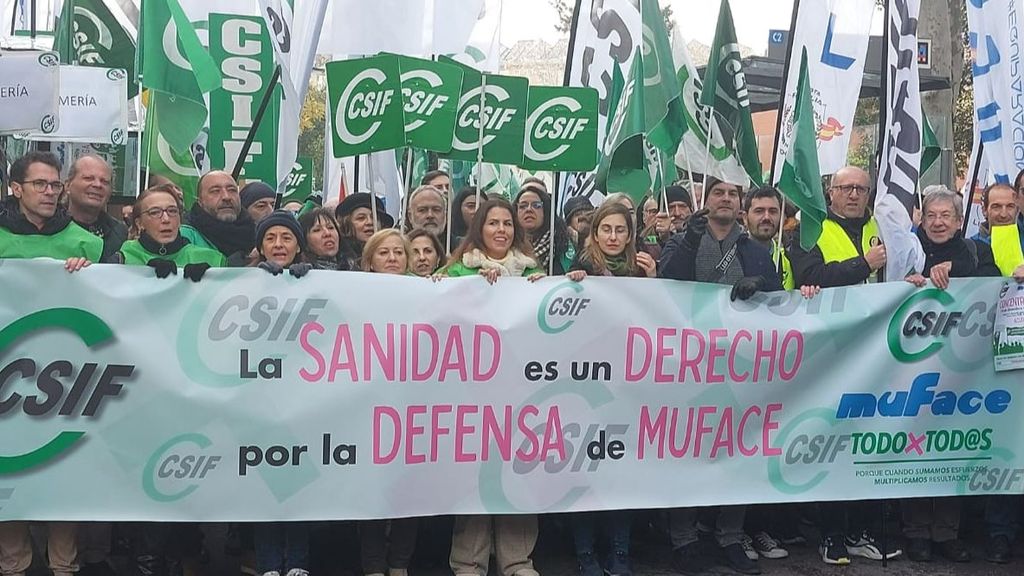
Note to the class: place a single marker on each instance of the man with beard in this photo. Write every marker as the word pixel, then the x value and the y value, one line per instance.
pixel 427 211
pixel 762 213
pixel 217 220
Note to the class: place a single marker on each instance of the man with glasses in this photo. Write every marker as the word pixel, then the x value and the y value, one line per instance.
pixel 89 189
pixel 33 224
pixel 848 253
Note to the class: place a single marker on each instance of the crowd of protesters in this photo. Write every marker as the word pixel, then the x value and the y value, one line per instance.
pixel 741 240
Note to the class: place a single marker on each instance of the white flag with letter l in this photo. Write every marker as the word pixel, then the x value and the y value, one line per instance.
pixel 835 34
pixel 899 165
pixel 295 34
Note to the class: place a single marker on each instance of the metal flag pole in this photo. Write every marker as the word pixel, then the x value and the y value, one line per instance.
pixel 373 195
pixel 482 120
pixel 403 208
pixel 707 156
pixel 256 121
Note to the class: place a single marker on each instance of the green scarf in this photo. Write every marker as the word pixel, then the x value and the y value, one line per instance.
pixel 617 265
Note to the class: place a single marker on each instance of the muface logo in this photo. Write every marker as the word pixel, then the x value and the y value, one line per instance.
pixel 62 387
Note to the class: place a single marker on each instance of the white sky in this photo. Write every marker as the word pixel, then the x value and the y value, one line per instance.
pixel 696 19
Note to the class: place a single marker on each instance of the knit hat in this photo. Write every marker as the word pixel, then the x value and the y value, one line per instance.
pixel 678 194
pixel 254 191
pixel 279 218
pixel 576 204
pixel 353 202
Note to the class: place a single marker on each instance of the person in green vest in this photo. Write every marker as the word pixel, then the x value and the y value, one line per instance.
pixel 1002 230
pixel 849 251
pixel 762 215
pixel 217 220
pixel 495 245
pixel 157 213
pixel 33 224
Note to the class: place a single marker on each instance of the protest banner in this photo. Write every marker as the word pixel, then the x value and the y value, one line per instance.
pixel 251 397
pixel 501 105
pixel 30 93
pixel 93 107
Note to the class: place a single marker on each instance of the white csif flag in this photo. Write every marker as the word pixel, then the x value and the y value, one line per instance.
pixel 835 34
pixel 899 165
pixel 295 35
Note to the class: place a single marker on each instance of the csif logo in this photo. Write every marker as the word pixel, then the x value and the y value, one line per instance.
pixel 91 34
pixel 924 322
pixel 561 307
pixel 62 387
pixel 552 127
pixel 494 116
pixel 362 107
pixel 421 103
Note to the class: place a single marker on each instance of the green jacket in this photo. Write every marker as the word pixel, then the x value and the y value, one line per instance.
pixel 459 269
pixel 133 253
pixel 194 237
pixel 60 238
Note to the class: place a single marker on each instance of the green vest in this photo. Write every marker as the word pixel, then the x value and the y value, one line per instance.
pixel 1006 248
pixel 836 246
pixel 71 242
pixel 778 254
pixel 136 255
pixel 194 237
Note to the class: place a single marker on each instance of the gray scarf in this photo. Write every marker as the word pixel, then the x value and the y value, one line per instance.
pixel 711 253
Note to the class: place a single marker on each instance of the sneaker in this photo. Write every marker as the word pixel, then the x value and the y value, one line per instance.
pixel 919 550
pixel 272 573
pixel 619 565
pixel 297 572
pixel 768 547
pixel 998 550
pixel 866 546
pixel 748 547
pixel 833 551
pixel 738 560
pixel 588 564
pixel 690 559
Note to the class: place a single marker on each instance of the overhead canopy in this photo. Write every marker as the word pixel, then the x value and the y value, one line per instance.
pixel 764 82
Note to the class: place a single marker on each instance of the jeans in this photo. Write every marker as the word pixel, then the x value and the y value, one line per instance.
pixel 281 546
pixel 616 524
pixel 1001 516
pixel 728 525
pixel 935 519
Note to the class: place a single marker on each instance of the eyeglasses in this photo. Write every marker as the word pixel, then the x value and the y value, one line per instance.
pixel 41 185
pixel 851 188
pixel 535 205
pixel 157 213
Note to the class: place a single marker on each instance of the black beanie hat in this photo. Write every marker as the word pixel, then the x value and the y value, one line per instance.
pixel 254 191
pixel 353 202
pixel 279 218
pixel 576 204
pixel 678 194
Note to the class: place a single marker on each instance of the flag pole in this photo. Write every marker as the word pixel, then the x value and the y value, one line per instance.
pixel 784 91
pixel 707 156
pixel 257 120
pixel 373 195
pixel 149 145
pixel 408 189
pixel 480 139
pixel 973 185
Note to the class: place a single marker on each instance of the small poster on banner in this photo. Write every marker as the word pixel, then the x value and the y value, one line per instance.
pixel 93 107
pixel 1008 334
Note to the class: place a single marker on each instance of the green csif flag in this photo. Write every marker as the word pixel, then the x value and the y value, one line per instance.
pixel 725 91
pixel 930 147
pixel 663 96
pixel 88 34
pixel 623 166
pixel 178 72
pixel 800 181
pixel 159 158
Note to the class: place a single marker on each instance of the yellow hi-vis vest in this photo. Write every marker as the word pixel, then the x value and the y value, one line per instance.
pixel 836 246
pixel 779 255
pixel 1006 248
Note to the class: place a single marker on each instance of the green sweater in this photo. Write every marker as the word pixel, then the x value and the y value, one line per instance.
pixel 459 269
